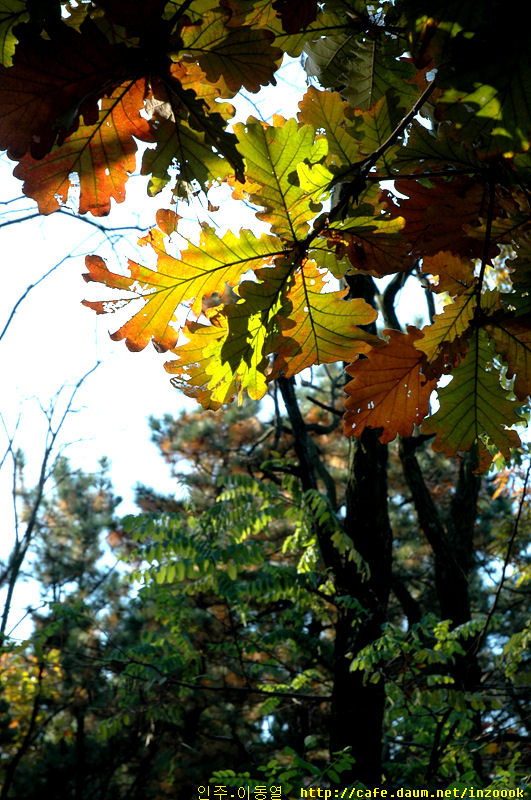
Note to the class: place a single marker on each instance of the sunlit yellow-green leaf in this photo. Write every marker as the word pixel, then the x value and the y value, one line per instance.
pixel 12 12
pixel 320 328
pixel 272 155
pixel 474 407
pixel 198 271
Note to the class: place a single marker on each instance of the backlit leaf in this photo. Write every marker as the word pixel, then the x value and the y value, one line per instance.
pixel 12 12
pixel 445 341
pixel 102 156
pixel 51 84
pixel 192 369
pixel 272 154
pixel 364 69
pixel 230 355
pixel 455 274
pixel 373 240
pixel 512 339
pixel 438 216
pixel 320 328
pixel 388 389
pixel 254 327
pixel 447 326
pixel 199 271
pixel 243 57
pixel 474 407
pixel 187 137
pixel 325 110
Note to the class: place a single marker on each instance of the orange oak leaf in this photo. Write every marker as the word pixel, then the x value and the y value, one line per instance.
pixel 455 274
pixel 53 83
pixel 327 110
pixel 388 389
pixel 438 216
pixel 191 76
pixel 103 156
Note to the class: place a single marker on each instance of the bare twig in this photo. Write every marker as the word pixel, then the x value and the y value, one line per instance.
pixel 22 544
pixel 484 630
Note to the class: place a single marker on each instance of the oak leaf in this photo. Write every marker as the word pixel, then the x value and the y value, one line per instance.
pixel 512 338
pixel 318 327
pixel 272 155
pixel 12 12
pixel 325 110
pixel 474 407
pixel 102 155
pixel 243 57
pixel 388 389
pixel 223 359
pixel 439 216
pixel 444 342
pixel 53 83
pixel 373 241
pixel 453 322
pixel 183 279
pixel 193 144
pixel 192 369
pixel 455 274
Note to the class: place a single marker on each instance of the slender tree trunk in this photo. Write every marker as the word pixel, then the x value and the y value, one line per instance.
pixel 80 753
pixel 358 706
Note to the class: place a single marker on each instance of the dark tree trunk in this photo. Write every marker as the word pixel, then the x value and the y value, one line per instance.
pixel 80 753
pixel 358 706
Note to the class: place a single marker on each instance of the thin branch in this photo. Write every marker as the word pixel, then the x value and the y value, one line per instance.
pixel 18 553
pixel 324 406
pixel 440 173
pixel 484 630
pixel 19 219
pixel 388 299
pixel 238 689
pixel 486 246
pixel 28 290
pixel 361 169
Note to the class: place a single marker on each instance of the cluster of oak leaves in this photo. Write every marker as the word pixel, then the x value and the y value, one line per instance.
pixel 82 83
